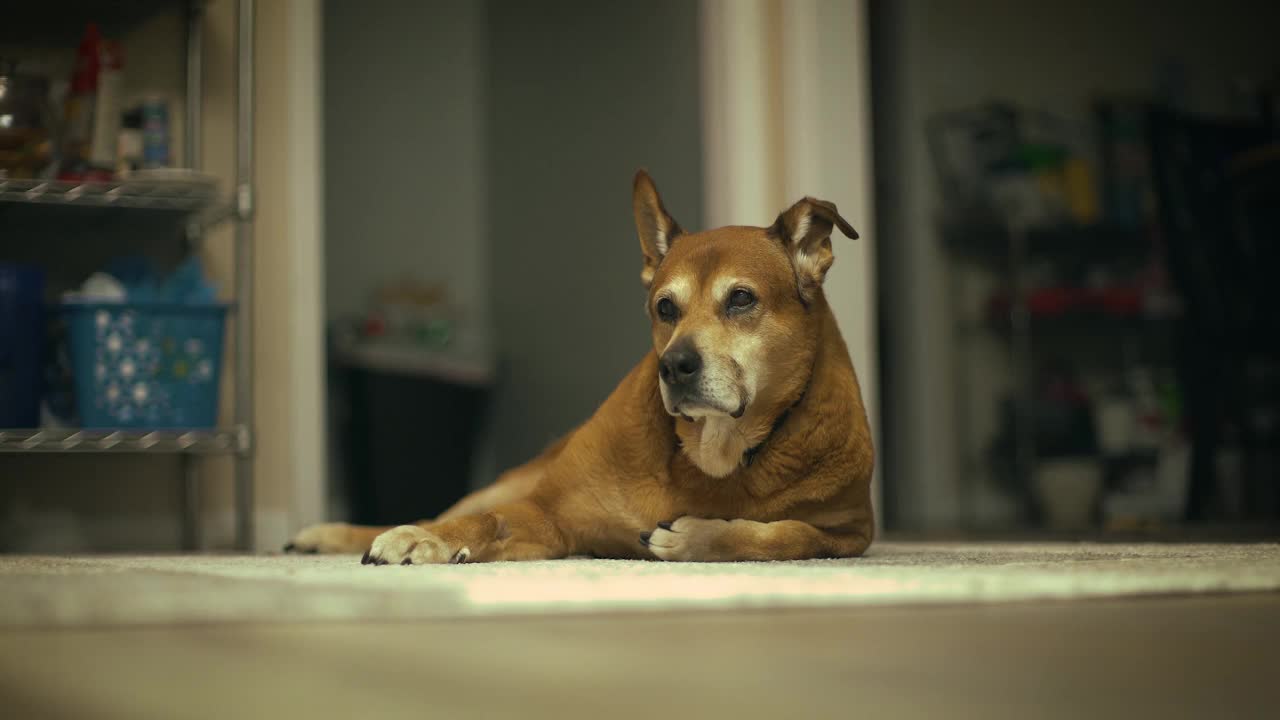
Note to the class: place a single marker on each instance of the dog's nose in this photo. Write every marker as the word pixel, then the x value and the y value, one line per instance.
pixel 680 366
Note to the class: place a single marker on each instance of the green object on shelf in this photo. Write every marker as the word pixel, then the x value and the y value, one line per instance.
pixel 435 333
pixel 1171 399
pixel 1042 157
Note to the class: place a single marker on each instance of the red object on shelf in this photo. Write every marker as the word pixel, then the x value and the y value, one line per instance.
pixel 87 174
pixel 1123 301
pixel 84 80
pixel 374 326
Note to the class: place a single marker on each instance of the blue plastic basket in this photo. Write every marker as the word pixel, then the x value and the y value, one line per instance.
pixel 146 366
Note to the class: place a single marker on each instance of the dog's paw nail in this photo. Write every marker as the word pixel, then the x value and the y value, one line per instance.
pixel 289 547
pixel 366 559
pixel 406 561
pixel 664 525
pixel 644 538
pixel 460 556
pixel 380 561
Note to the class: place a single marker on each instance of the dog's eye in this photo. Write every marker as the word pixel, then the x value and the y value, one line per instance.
pixel 741 299
pixel 666 310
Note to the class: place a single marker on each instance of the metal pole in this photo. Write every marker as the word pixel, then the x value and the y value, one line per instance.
pixel 195 82
pixel 1024 380
pixel 191 156
pixel 190 503
pixel 962 342
pixel 244 275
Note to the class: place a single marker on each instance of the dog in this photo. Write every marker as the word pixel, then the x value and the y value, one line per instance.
pixel 741 436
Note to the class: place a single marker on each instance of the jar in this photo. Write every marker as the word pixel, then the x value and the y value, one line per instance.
pixel 26 138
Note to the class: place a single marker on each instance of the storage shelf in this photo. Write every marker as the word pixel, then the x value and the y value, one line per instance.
pixel 217 441
pixel 988 241
pixel 144 194
pixel 140 215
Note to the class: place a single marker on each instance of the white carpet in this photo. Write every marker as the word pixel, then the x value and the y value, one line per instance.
pixel 112 590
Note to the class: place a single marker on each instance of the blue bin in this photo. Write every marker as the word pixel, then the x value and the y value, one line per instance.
pixel 22 337
pixel 146 366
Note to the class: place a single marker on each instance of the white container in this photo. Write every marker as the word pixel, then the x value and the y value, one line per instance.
pixel 1068 490
pixel 106 114
pixel 1114 418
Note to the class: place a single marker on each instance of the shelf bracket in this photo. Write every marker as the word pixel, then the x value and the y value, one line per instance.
pixel 244 202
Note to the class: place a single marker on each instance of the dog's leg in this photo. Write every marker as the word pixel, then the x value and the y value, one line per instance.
pixel 703 540
pixel 334 538
pixel 511 486
pixel 516 531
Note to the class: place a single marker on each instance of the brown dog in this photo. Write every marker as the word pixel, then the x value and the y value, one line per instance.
pixel 742 436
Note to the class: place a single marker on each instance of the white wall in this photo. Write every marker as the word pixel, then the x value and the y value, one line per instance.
pixel 404 135
pixel 948 55
pixel 581 94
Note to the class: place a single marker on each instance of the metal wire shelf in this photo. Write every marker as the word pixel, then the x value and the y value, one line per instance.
pixel 216 441
pixel 148 194
pixel 147 204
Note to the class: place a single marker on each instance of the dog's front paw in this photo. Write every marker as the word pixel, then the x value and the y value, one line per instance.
pixel 688 538
pixel 329 538
pixel 412 545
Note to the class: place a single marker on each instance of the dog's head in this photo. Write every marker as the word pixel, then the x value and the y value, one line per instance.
pixel 731 307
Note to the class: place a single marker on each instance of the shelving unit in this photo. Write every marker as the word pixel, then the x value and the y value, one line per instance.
pixel 1012 317
pixel 196 204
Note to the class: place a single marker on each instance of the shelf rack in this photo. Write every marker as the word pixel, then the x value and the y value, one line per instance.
pixel 1008 248
pixel 200 204
pixel 221 441
pixel 137 194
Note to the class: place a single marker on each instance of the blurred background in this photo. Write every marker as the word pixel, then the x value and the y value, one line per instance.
pixel 1058 310
pixel 1077 215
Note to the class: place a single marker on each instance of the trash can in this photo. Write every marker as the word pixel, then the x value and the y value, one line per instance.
pixel 407 424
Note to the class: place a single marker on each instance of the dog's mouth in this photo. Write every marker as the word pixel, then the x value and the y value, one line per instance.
pixel 693 408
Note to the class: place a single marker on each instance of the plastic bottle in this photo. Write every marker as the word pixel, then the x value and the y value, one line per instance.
pixel 107 110
pixel 79 111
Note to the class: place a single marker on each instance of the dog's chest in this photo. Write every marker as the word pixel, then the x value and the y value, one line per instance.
pixel 720 447
pixel 751 492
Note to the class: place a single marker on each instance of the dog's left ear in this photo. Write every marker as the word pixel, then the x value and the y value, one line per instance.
pixel 655 226
pixel 805 231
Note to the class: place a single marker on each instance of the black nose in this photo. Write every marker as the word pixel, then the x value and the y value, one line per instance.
pixel 680 366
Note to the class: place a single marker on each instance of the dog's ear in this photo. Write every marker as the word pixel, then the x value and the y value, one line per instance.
pixel 655 226
pixel 805 231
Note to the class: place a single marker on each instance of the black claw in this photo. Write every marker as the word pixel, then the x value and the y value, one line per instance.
pixel 366 559
pixel 289 547
pixel 380 561
pixel 406 561
pixel 664 525
pixel 644 539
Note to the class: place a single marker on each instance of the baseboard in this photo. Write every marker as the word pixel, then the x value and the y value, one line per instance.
pixel 24 530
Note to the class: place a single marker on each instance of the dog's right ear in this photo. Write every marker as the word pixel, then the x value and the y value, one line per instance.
pixel 655 226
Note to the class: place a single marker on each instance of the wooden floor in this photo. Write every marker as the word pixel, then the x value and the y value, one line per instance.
pixel 1206 657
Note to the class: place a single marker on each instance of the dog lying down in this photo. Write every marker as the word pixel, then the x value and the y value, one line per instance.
pixel 742 436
